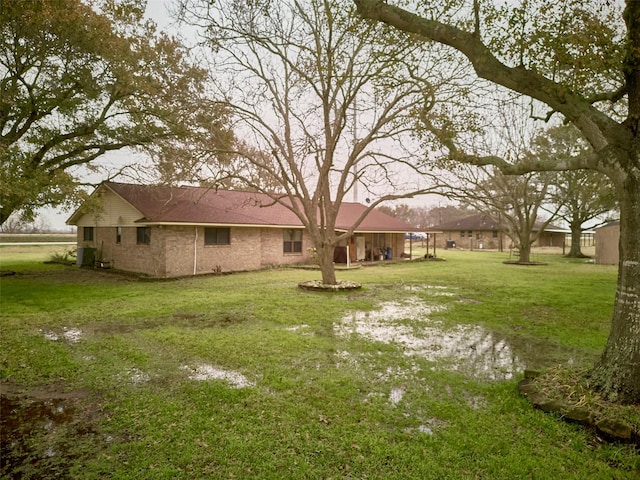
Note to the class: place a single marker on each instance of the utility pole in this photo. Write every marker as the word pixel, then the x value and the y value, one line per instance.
pixel 355 141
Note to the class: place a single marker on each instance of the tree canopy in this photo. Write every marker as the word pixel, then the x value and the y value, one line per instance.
pixel 79 79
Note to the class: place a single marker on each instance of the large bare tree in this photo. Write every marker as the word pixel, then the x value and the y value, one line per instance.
pixel 581 195
pixel 516 202
pixel 582 61
pixel 324 105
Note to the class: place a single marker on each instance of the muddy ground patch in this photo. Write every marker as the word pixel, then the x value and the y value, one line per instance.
pixel 44 428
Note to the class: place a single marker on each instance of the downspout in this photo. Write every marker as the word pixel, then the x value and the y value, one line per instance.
pixel 195 251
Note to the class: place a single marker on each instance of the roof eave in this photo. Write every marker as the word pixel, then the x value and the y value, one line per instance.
pixel 154 223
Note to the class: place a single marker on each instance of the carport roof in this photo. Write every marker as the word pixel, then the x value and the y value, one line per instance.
pixel 483 222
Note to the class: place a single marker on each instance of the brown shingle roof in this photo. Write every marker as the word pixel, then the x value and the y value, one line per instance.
pixel 375 221
pixel 474 222
pixel 482 222
pixel 200 205
pixel 165 204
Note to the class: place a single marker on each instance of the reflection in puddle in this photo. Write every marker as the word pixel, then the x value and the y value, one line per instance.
pixel 413 309
pixel 137 376
pixel 302 329
pixel 205 372
pixel 345 359
pixel 71 335
pixel 22 420
pixel 39 436
pixel 468 348
pixel 426 429
pixel 295 328
pixel 430 426
pixel 435 290
pixel 396 395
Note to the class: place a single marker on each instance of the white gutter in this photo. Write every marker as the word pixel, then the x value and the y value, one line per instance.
pixel 202 224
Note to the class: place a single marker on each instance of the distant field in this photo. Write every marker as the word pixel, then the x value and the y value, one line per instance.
pixel 418 249
pixel 36 237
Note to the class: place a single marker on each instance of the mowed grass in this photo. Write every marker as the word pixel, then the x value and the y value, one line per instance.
pixel 247 376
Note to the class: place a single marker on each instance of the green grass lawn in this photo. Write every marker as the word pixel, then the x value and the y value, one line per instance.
pixel 247 376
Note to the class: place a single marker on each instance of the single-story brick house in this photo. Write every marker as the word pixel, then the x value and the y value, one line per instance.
pixel 607 239
pixel 168 231
pixel 485 232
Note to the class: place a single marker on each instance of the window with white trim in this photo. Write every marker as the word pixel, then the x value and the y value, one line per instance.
pixel 292 241
pixel 217 236
pixel 143 235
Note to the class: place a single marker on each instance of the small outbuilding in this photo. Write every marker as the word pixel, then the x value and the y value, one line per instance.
pixel 167 231
pixel 607 240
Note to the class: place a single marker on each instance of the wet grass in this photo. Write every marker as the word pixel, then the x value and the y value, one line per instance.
pixel 323 401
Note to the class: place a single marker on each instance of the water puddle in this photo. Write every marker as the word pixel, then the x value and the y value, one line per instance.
pixel 395 397
pixel 203 372
pixel 429 427
pixel 295 328
pixel 71 335
pixel 39 435
pixel 467 348
pixel 434 290
pixel 426 429
pixel 20 420
pixel 137 376
pixel 302 329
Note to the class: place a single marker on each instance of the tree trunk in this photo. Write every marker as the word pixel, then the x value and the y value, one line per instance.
pixel 524 240
pixel 525 252
pixel 325 260
pixel 5 212
pixel 576 236
pixel 4 215
pixel 617 374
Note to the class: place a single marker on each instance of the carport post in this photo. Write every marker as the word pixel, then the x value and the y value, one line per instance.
pixel 410 246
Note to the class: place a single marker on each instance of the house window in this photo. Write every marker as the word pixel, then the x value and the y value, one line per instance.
pixel 143 235
pixel 292 241
pixel 217 236
pixel 461 233
pixel 118 235
pixel 470 234
pixel 87 234
pixel 495 234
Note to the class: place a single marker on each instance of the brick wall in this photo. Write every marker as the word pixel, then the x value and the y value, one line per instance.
pixel 473 242
pixel 271 248
pixel 128 255
pixel 174 249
